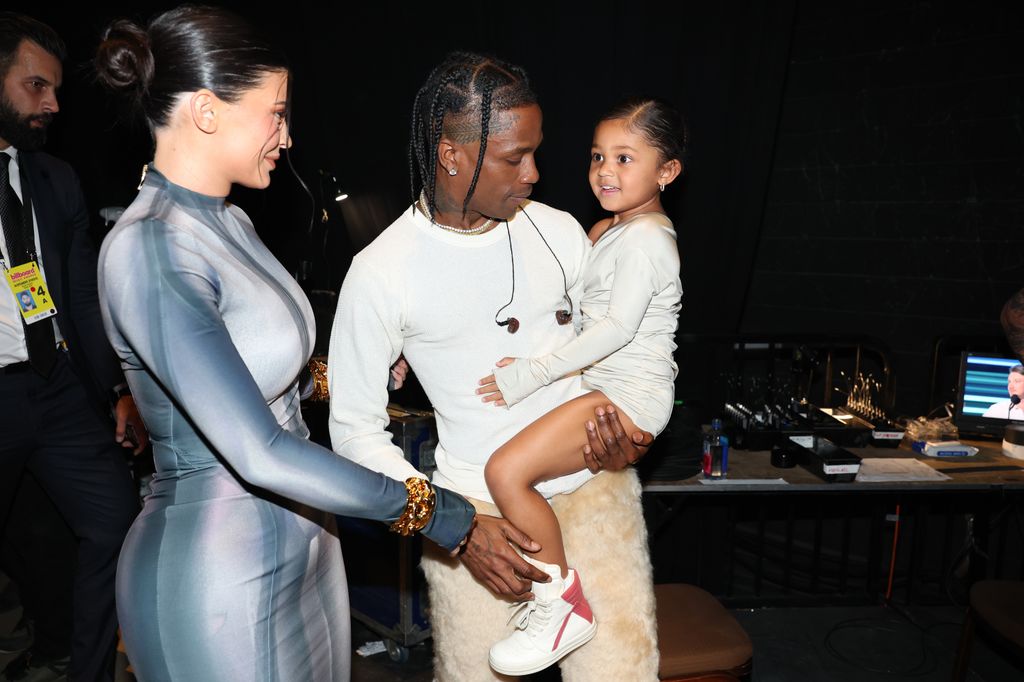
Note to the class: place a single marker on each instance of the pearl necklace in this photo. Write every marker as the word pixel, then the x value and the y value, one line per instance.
pixel 421 204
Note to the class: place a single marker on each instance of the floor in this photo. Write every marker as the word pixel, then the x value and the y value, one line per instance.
pixel 841 644
pixel 838 644
pixel 858 644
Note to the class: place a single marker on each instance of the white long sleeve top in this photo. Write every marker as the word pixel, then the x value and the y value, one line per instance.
pixel 433 295
pixel 630 310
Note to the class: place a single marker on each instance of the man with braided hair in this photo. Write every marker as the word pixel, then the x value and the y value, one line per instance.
pixel 472 272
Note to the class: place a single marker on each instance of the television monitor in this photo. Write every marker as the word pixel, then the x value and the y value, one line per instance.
pixel 984 400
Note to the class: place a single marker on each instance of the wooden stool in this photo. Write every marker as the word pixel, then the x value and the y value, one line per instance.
pixel 997 609
pixel 698 639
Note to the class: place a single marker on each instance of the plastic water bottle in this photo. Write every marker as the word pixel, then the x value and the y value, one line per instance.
pixel 716 451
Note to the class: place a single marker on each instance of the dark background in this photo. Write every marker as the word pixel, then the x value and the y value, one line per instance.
pixel 856 169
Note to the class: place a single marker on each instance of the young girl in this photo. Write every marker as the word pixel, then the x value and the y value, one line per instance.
pixel 630 307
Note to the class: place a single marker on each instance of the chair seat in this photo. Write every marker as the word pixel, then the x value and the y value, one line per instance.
pixel 696 634
pixel 1000 604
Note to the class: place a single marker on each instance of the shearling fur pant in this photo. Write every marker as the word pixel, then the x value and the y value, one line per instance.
pixel 606 541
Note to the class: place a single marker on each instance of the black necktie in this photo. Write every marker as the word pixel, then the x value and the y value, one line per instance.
pixel 39 338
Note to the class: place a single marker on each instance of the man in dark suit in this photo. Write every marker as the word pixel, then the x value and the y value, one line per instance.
pixel 58 376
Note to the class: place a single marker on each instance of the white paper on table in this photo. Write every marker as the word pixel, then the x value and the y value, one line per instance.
pixel 890 469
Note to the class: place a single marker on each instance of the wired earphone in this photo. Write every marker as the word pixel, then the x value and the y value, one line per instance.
pixel 562 317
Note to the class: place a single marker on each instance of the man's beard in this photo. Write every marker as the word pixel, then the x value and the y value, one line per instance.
pixel 18 130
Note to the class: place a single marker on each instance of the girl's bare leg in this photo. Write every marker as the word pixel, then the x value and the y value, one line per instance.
pixel 548 448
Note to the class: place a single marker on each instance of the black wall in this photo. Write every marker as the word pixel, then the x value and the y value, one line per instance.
pixel 896 202
pixel 854 169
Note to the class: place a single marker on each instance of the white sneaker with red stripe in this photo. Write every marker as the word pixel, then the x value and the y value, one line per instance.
pixel 557 621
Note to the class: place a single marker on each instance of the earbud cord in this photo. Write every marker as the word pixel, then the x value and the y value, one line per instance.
pixel 565 281
pixel 512 257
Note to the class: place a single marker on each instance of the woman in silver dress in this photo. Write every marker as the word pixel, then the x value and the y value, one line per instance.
pixel 232 571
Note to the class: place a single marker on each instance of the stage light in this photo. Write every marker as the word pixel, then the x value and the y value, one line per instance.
pixel 339 193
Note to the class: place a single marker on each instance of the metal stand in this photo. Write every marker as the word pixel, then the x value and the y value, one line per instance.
pixel 387 592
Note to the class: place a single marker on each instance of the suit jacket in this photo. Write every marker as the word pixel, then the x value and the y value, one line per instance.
pixel 69 257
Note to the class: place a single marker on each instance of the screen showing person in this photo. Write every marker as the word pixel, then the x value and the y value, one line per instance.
pixel 993 388
pixel 1009 408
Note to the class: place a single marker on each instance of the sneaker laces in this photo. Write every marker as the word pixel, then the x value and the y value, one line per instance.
pixel 531 616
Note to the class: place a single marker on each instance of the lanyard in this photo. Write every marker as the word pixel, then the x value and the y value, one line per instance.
pixel 26 215
pixel 26 209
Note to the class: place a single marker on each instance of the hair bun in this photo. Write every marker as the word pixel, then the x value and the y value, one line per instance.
pixel 124 60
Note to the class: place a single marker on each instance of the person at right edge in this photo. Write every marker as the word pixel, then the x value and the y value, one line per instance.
pixel 1012 319
pixel 471 272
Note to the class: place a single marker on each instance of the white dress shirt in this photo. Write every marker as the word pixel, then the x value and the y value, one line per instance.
pixel 12 333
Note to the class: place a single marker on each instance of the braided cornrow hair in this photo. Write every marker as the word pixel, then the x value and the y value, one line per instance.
pixel 463 91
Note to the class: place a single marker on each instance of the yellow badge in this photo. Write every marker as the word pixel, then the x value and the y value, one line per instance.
pixel 31 292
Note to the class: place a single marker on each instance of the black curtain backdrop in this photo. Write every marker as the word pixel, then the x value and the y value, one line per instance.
pixel 817 133
pixel 358 67
pixel 854 168
pixel 896 198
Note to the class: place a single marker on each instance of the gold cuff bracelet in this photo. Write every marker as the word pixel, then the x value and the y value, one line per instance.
pixel 419 507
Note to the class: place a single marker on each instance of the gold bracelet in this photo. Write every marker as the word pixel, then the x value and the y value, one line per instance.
pixel 419 507
pixel 318 368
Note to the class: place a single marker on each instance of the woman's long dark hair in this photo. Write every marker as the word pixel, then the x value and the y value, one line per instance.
pixel 184 50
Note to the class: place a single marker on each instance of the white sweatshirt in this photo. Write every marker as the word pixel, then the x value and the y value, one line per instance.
pixel 433 295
